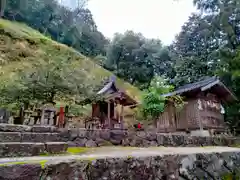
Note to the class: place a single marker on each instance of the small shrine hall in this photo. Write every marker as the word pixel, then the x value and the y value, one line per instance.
pixel 107 113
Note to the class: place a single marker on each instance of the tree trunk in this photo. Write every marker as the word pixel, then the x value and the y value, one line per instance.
pixel 2 7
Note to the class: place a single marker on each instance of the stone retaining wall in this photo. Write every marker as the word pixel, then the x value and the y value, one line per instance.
pixel 18 149
pixel 28 137
pixel 21 140
pixel 168 167
pixel 24 128
pixel 22 133
pixel 92 138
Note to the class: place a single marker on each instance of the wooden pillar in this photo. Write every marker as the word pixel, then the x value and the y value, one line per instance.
pixel 121 116
pixel 121 113
pixel 109 119
pixel 200 118
pixel 115 108
pixel 42 121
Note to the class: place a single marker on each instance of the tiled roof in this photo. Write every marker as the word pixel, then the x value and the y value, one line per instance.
pixel 110 87
pixel 203 85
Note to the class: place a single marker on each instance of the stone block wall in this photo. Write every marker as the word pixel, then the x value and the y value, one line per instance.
pixel 92 138
pixel 21 140
pixel 168 167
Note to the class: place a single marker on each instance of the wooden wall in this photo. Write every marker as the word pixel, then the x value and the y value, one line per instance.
pixel 188 117
pixel 172 120
pixel 210 113
pixel 202 112
pixel 166 121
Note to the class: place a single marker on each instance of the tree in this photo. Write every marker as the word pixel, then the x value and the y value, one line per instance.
pixel 74 27
pixel 208 44
pixel 195 51
pixel 137 59
pixel 50 82
pixel 2 7
pixel 153 103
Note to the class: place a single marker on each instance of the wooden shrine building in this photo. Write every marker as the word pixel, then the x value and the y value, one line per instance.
pixel 104 111
pixel 203 111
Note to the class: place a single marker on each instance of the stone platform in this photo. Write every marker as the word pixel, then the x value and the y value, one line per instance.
pixel 24 128
pixel 21 140
pixel 92 138
pixel 114 163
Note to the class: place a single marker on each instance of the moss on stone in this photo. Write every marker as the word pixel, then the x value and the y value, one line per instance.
pixel 129 157
pixel 70 150
pixel 42 163
pixel 230 176
pixel 77 150
pixel 106 143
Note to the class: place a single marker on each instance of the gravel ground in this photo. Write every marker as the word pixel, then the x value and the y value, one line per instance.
pixel 118 152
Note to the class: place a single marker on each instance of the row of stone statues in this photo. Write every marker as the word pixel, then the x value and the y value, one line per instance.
pixel 45 115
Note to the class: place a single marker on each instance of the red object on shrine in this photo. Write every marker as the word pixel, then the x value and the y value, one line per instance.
pixel 61 117
pixel 139 126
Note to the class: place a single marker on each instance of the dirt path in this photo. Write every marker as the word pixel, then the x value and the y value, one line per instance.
pixel 118 152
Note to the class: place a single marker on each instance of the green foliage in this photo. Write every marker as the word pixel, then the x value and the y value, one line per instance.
pixel 75 28
pixel 130 54
pixel 153 103
pixel 50 71
pixel 208 45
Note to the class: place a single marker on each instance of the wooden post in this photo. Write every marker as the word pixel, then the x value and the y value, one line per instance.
pixel 42 121
pixel 121 113
pixel 114 113
pixel 109 119
pixel 121 116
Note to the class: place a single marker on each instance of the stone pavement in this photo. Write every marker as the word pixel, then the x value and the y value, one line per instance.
pixel 119 152
pixel 128 163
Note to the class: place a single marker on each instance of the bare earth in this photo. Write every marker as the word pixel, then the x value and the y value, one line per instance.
pixel 118 152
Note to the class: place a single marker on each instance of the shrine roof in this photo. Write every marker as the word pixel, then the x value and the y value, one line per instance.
pixel 212 83
pixel 110 87
pixel 110 91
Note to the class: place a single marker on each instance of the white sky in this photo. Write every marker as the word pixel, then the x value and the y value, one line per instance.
pixel 153 18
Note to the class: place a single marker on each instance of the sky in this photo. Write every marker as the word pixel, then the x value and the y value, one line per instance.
pixel 153 18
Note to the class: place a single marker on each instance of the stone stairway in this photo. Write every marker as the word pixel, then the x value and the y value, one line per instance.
pixel 22 140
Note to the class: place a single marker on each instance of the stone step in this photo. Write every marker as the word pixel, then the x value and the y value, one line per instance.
pixel 20 149
pixel 25 128
pixel 29 137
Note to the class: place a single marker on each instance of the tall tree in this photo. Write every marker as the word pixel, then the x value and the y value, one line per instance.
pixel 137 59
pixel 2 7
pixel 208 45
pixel 195 50
pixel 74 27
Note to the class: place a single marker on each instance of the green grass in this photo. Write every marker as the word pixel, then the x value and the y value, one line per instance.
pixel 77 150
pixel 21 47
pixel 42 163
pixel 70 151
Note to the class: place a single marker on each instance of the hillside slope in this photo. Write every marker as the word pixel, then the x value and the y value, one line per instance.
pixel 21 47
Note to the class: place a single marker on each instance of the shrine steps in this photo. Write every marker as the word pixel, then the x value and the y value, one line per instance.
pixel 22 140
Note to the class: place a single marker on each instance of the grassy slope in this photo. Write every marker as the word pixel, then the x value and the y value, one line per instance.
pixel 21 47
